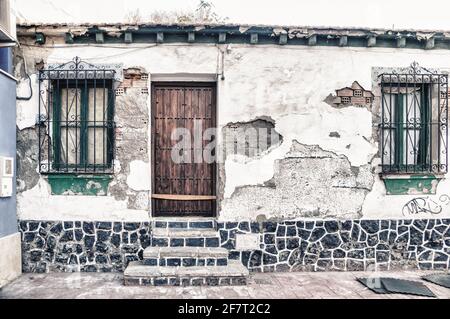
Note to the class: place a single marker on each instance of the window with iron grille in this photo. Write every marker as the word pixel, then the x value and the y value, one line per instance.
pixel 414 121
pixel 76 118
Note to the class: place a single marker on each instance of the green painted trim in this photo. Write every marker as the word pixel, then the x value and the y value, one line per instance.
pixel 147 33
pixel 71 184
pixel 414 184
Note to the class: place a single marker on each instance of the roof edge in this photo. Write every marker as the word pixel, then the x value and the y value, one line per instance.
pixel 226 25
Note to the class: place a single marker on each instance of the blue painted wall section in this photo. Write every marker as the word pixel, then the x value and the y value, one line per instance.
pixel 6 60
pixel 8 218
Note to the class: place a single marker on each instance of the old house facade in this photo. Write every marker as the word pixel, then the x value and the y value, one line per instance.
pixel 232 148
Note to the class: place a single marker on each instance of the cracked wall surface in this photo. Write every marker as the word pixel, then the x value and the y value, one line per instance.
pixel 308 182
pixel 252 138
pixel 282 88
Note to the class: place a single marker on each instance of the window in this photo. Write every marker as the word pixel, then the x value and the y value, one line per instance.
pixel 120 91
pixel 368 100
pixel 414 125
pixel 345 100
pixel 76 131
pixel 357 93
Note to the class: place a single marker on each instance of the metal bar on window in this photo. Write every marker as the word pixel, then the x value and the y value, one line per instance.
pixel 439 119
pixel 39 125
pixel 104 119
pixel 48 123
pixel 382 126
pixel 430 120
pixel 416 123
pixel 406 127
pixel 95 115
pixel 423 127
pixel 76 124
pixel 398 128
pixel 392 150
pixel 444 122
pixel 67 122
pixel 84 143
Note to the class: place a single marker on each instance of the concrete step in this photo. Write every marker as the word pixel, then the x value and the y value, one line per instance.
pixel 193 252
pixel 232 274
pixel 185 256
pixel 184 222
pixel 184 233
pixel 185 242
pixel 185 262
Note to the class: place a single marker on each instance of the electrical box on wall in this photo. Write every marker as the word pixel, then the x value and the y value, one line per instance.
pixel 6 176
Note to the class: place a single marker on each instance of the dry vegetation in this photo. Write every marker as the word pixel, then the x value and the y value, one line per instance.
pixel 204 13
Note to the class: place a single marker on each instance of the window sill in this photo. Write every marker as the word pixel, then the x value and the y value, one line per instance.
pixel 411 184
pixel 73 184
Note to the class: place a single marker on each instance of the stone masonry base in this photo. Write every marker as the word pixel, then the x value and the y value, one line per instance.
pixel 341 245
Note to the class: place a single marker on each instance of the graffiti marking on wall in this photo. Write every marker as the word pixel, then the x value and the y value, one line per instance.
pixel 425 205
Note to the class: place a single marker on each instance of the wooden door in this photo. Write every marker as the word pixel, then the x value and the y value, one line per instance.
pixel 187 188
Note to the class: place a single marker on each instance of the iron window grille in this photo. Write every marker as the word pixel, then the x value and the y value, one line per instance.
pixel 414 121
pixel 76 118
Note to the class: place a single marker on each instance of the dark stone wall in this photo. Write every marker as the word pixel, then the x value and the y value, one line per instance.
pixel 341 245
pixel 348 245
pixel 82 246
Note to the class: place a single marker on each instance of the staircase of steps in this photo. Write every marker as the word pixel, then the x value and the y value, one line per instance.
pixel 185 252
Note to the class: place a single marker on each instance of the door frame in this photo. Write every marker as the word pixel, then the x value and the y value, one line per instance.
pixel 153 86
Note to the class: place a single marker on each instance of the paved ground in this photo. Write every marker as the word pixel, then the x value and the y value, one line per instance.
pixel 268 285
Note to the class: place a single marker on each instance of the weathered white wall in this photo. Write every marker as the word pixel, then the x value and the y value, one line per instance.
pixel 286 83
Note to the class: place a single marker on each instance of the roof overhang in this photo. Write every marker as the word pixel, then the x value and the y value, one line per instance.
pixel 229 33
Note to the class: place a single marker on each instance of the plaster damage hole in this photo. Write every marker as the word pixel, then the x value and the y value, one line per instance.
pixel 334 134
pixel 251 138
pixel 133 78
pixel 354 95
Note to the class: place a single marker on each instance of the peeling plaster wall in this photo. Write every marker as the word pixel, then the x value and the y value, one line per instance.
pixel 289 85
pixel 308 182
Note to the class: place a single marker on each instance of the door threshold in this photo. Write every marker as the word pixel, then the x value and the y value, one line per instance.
pixel 182 218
